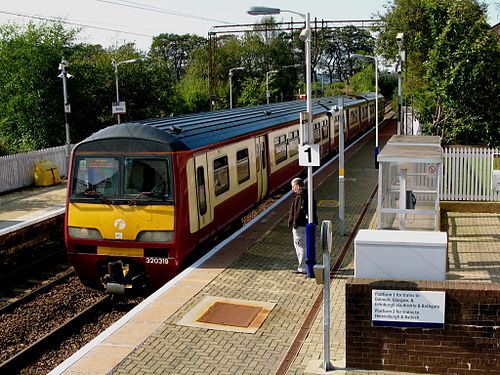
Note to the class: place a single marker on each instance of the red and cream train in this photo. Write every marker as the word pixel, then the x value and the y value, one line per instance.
pixel 143 195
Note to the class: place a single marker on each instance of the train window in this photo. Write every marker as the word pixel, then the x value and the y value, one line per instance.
pixel 95 176
pixel 200 183
pixel 372 109
pixel 264 157
pixel 257 157
pixel 280 148
pixel 147 176
pixel 221 175
pixel 293 143
pixel 364 112
pixel 324 130
pixel 316 132
pixel 353 115
pixel 242 165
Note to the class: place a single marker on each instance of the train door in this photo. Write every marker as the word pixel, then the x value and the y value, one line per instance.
pixel 205 209
pixel 261 166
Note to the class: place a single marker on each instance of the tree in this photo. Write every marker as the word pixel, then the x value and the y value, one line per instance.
pixel 174 50
pixel 31 106
pixel 453 62
pixel 337 46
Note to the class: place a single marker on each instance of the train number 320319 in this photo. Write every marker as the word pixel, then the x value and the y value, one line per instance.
pixel 156 260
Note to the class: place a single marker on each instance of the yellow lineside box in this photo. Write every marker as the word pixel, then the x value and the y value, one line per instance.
pixel 46 173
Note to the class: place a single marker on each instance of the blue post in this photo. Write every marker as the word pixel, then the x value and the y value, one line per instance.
pixel 310 248
pixel 376 154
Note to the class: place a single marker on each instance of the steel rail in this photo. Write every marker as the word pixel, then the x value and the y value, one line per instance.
pixel 9 307
pixel 27 356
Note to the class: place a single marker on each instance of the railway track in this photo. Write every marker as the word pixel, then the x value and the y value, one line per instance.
pixel 47 326
pixel 19 301
pixel 31 353
pixel 35 353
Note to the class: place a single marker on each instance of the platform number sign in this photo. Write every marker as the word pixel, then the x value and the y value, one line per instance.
pixel 309 155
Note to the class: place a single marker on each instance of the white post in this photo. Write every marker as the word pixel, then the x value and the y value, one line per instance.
pixel 116 84
pixel 341 168
pixel 376 112
pixel 402 198
pixel 230 89
pixel 67 109
pixel 326 244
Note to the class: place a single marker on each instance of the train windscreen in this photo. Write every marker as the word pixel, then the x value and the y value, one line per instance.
pixel 130 178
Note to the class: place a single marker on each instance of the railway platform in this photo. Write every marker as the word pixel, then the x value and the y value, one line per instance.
pixel 274 326
pixel 174 332
pixel 27 206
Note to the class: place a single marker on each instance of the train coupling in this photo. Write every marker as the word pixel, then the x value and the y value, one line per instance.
pixel 114 280
pixel 122 278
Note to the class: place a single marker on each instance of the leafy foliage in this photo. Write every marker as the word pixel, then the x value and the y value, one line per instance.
pixel 28 84
pixel 453 62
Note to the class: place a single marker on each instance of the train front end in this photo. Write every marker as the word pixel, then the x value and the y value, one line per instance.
pixel 120 214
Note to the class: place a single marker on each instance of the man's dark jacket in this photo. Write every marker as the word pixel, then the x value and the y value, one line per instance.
pixel 298 211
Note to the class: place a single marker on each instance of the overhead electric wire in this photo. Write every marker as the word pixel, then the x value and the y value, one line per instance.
pixel 132 4
pixel 55 19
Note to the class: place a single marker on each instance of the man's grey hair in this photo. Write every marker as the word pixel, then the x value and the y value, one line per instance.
pixel 298 181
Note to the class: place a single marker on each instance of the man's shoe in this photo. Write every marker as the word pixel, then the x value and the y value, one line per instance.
pixel 299 272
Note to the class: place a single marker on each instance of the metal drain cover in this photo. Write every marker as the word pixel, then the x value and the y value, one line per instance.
pixel 230 314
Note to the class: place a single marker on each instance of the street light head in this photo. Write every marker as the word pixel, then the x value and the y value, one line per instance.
pixel 358 56
pixel 131 61
pixel 237 68
pixel 263 11
pixel 68 75
pixel 304 34
pixel 400 40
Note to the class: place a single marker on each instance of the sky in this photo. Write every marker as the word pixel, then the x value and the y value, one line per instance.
pixel 114 22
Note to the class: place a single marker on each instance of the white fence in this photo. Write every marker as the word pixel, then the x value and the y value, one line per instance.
pixel 467 174
pixel 16 171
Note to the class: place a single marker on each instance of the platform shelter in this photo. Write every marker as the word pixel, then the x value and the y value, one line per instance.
pixel 410 169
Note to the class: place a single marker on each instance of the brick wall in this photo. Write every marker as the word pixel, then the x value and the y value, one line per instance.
pixel 468 344
pixel 29 244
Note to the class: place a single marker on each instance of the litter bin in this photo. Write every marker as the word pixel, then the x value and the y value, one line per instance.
pixel 46 173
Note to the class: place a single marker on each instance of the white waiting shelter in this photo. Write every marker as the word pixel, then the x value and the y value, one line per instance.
pixel 410 168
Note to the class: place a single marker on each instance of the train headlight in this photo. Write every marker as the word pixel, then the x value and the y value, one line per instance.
pixel 86 233
pixel 156 236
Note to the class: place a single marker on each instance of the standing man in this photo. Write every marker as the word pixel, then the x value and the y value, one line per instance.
pixel 297 220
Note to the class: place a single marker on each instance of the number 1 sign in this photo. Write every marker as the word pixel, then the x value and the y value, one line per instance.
pixel 309 155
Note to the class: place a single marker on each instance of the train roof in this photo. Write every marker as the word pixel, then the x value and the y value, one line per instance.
pixel 196 130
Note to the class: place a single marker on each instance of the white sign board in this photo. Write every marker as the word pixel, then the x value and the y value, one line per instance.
pixel 495 180
pixel 309 155
pixel 67 108
pixel 119 108
pixel 495 177
pixel 408 308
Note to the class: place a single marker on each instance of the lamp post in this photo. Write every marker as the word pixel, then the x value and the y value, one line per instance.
pixel 231 84
pixel 116 65
pixel 67 107
pixel 399 70
pixel 267 83
pixel 376 102
pixel 305 131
